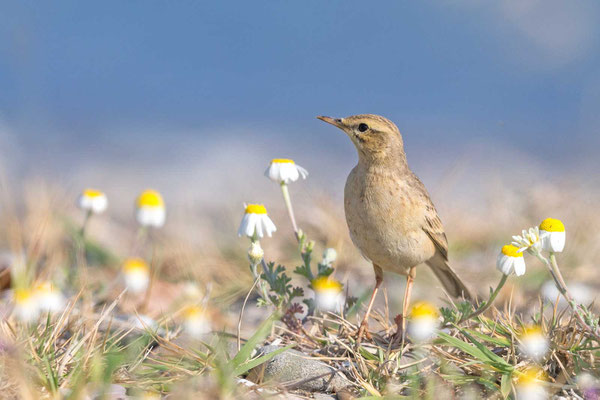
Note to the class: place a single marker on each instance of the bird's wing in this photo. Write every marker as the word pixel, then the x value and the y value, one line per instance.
pixel 432 225
pixel 434 229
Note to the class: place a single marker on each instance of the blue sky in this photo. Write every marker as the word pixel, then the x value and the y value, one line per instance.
pixel 518 72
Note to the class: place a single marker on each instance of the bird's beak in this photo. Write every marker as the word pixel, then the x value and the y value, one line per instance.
pixel 333 121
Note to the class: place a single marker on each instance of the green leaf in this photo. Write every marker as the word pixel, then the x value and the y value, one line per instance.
pixel 503 342
pixel 497 360
pixel 246 351
pixel 245 367
pixel 505 385
pixel 464 346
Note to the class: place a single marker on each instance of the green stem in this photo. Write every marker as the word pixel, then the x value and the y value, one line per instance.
pixel 86 219
pixel 290 210
pixel 562 288
pixel 487 304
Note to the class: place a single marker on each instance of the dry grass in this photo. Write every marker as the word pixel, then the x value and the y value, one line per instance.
pixel 94 342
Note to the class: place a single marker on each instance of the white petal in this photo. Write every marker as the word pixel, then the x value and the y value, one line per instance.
pixel 243 225
pixel 259 225
pixel 558 241
pixel 275 172
pixel 253 221
pixel 303 172
pixel 269 225
pixel 289 173
pixel 504 264
pixel 519 266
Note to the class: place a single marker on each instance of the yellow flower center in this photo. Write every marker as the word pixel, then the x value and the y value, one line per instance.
pixel 193 312
pixel 22 295
pixel 282 161
pixel 324 283
pixel 93 193
pixel 134 265
pixel 552 225
pixel 255 209
pixel 531 376
pixel 511 251
pixel 150 198
pixel 422 309
pixel 44 288
pixel 532 330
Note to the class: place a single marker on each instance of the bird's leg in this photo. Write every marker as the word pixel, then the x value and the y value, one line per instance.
pixel 364 324
pixel 410 278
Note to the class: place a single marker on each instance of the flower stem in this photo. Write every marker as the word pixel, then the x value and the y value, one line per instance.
pixel 86 219
pixel 562 288
pixel 487 304
pixel 288 205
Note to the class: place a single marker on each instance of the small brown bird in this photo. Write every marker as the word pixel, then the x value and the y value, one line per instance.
pixel 388 210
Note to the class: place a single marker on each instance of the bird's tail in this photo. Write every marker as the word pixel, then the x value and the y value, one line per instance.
pixel 452 283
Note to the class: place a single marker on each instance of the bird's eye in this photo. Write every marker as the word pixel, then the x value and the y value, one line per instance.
pixel 363 127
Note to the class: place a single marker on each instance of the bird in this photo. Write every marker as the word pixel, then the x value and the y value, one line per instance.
pixel 390 216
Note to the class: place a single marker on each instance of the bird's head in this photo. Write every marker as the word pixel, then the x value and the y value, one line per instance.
pixel 375 137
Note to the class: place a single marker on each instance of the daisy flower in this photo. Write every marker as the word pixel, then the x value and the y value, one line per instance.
pixel 256 222
pixel 150 209
pixel 423 322
pixel 93 201
pixel 530 384
pixel 282 170
pixel 552 235
pixel 533 343
pixel 195 321
pixel 26 305
pixel 136 274
pixel 528 240
pixel 510 260
pixel 328 294
pixel 49 298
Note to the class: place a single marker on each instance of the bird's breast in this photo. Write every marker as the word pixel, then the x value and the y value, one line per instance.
pixel 385 222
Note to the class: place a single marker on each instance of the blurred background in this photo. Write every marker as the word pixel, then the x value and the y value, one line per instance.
pixel 498 104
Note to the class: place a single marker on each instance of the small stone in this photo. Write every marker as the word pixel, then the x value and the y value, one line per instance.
pixel 296 370
pixel 323 396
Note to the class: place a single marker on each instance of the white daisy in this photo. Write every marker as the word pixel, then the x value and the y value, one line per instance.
pixel 196 322
pixel 423 322
pixel 510 260
pixel 530 385
pixel 256 222
pixel 533 343
pixel 49 298
pixel 150 209
pixel 552 235
pixel 136 274
pixel 328 294
pixel 93 201
pixel 26 306
pixel 528 240
pixel 282 170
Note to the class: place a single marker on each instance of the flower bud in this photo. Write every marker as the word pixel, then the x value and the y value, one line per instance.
pixel 329 256
pixel 255 253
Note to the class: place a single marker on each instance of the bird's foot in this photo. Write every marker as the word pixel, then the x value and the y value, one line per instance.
pixel 363 330
pixel 400 328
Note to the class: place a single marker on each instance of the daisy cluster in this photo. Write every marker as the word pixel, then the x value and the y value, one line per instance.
pixel 549 237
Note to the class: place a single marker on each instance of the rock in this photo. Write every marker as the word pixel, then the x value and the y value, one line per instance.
pixel 323 396
pixel 296 370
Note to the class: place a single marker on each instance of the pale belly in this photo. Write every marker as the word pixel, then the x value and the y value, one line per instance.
pixel 385 224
